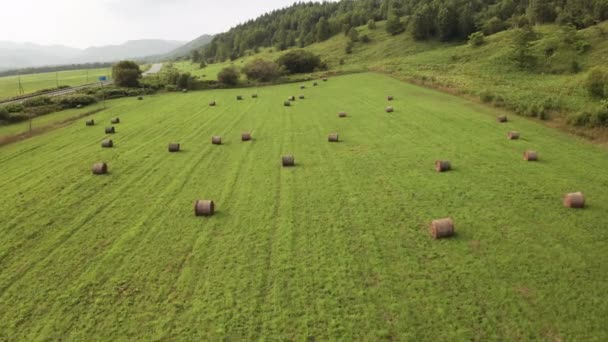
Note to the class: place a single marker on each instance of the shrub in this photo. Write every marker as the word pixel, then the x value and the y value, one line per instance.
pixel 299 61
pixel 476 39
pixel 262 70
pixel 365 39
pixel 14 107
pixel 394 26
pixel 486 96
pixel 493 25
pixel 4 114
pixel 597 82
pixel 170 87
pixel 229 76
pixel 38 101
pixel 184 81
pixel 371 24
pixel 349 47
pixel 73 101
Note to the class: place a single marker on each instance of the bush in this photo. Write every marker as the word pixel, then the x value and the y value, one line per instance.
pixel 262 70
pixel 349 47
pixel 394 26
pixel 229 76
pixel 73 101
pixel 597 82
pixel 170 87
pixel 365 39
pixel 184 81
pixel 4 114
pixel 14 107
pixel 476 39
pixel 299 61
pixel 371 24
pixel 493 25
pixel 38 101
pixel 486 96
pixel 126 74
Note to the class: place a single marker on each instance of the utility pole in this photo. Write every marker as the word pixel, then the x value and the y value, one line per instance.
pixel 19 86
pixel 56 79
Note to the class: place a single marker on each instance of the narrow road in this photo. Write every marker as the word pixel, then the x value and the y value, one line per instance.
pixel 155 68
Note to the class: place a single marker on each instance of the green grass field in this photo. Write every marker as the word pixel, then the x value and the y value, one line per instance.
pixel 336 248
pixel 9 86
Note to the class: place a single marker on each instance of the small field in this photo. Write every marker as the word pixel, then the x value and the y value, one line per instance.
pixel 9 86
pixel 336 248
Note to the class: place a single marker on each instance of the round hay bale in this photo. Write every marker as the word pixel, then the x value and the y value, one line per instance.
pixel 301 97
pixel 212 103
pixel 574 200
pixel 302 86
pixel 140 98
pixel 342 114
pixel 184 91
pixel 530 156
pixel 390 109
pixel 115 121
pixel 502 119
pixel 286 103
pixel 174 147
pixel 204 208
pixel 216 140
pixel 288 160
pixel 333 137
pixel 315 84
pixel 245 136
pixel 90 123
pixel 99 168
pixel 442 165
pixel 108 143
pixel 324 79
pixel 513 135
pixel 239 97
pixel 110 130
pixel 390 98
pixel 79 106
pixel 442 228
pixel 291 98
pixel 254 96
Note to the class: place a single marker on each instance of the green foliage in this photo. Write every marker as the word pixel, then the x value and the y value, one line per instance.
pixel 349 47
pixel 353 35
pixel 394 26
pixel 476 39
pixel 202 65
pixel 299 61
pixel 597 82
pixel 423 23
pixel 196 56
pixel 229 76
pixel 262 70
pixel 126 74
pixel 493 25
pixel 73 101
pixel 365 39
pixel 38 101
pixel 521 52
pixel 4 114
pixel 184 81
pixel 447 23
pixel 371 24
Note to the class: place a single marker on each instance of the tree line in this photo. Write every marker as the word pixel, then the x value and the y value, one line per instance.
pixel 37 70
pixel 303 24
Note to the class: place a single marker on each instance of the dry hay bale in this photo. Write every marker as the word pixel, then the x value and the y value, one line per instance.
pixel 245 136
pixel 212 103
pixel 342 114
pixel 502 119
pixel 108 143
pixel 390 98
pixel 442 165
pixel 115 121
pixel 390 109
pixel 216 140
pixel 100 168
pixel 239 97
pixel 286 103
pixel 301 97
pixel 90 123
pixel 530 156
pixel 204 208
pixel 574 200
pixel 110 130
pixel 442 228
pixel 513 135
pixel 174 147
pixel 140 98
pixel 333 137
pixel 288 160
pixel 291 98
pixel 254 96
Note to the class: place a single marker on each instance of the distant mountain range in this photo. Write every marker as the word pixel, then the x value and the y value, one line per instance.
pixel 22 55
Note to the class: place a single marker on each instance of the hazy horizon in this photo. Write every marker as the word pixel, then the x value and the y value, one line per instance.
pixel 52 23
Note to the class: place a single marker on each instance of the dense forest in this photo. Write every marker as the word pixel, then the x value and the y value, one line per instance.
pixel 303 24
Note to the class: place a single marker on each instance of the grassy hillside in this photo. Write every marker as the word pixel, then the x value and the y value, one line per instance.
pixel 335 248
pixel 550 91
pixel 9 86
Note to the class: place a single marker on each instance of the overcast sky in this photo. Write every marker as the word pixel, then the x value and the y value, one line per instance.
pixel 84 23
